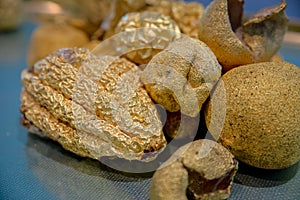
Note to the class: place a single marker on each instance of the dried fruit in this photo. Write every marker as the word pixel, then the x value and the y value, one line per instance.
pixel 257 40
pixel 120 8
pixel 260 123
pixel 146 33
pixel 10 14
pixel 51 37
pixel 182 76
pixel 202 169
pixel 92 106
pixel 185 14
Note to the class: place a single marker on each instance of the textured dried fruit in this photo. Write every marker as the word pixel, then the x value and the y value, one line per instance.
pixel 182 76
pixel 120 8
pixel 256 40
pixel 51 37
pixel 93 106
pixel 185 14
pixel 262 114
pixel 202 169
pixel 10 14
pixel 156 32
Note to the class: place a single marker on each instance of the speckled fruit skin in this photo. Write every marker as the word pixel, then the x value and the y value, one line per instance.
pixel 262 117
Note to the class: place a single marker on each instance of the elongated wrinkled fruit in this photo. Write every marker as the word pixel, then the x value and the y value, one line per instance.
pixel 92 106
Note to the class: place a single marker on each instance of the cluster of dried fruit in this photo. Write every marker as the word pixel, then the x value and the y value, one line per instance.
pixel 103 105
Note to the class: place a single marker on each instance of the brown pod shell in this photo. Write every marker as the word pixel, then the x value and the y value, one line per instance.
pixel 99 100
pixel 202 169
pixel 257 40
pixel 216 32
pixel 260 123
pixel 264 32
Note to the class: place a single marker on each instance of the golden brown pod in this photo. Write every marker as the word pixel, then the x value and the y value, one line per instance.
pixel 182 76
pixel 256 40
pixel 260 124
pixel 119 9
pixel 202 169
pixel 92 106
pixel 185 14
pixel 148 32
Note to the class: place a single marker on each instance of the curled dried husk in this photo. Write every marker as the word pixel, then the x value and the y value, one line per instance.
pixel 264 32
pixel 182 76
pixel 256 40
pixel 202 169
pixel 92 106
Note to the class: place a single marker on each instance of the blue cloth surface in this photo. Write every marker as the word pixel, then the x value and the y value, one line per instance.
pixel 33 168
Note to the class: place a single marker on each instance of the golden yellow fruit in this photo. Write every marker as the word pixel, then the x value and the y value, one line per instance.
pixel 94 107
pixel 51 37
pixel 148 32
pixel 255 113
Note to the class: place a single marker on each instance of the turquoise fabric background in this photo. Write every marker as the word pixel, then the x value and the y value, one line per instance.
pixel 32 168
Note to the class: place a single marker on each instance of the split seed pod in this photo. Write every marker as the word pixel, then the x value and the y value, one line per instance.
pixel 182 76
pixel 202 169
pixel 257 40
pixel 92 106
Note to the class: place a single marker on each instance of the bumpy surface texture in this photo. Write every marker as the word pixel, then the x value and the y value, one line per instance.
pixel 148 32
pixel 260 123
pixel 92 106
pixel 202 169
pixel 182 76
pixel 186 14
